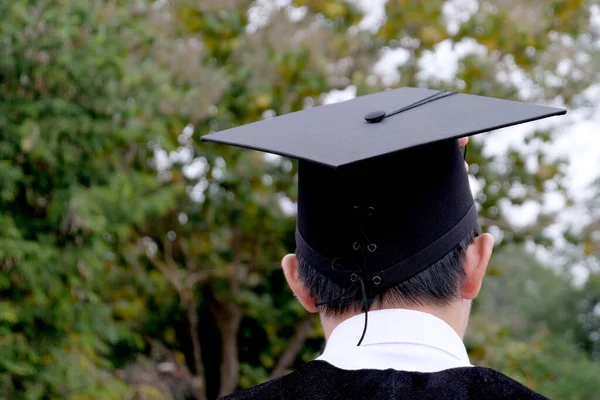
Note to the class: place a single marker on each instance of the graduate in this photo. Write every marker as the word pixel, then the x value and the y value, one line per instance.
pixel 388 247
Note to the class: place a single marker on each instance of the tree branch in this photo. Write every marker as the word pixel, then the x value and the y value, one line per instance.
pixel 189 261
pixel 228 317
pixel 192 317
pixel 294 347
pixel 170 271
pixel 235 266
pixel 202 277
pixel 171 275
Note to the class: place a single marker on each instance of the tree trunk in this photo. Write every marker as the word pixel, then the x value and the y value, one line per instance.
pixel 294 347
pixel 192 316
pixel 188 302
pixel 228 317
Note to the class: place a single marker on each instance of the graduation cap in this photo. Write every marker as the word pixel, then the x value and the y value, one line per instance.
pixel 383 192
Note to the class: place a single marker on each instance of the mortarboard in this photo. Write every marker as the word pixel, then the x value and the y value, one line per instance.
pixel 382 183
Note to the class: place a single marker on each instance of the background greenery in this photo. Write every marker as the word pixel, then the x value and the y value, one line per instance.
pixel 139 263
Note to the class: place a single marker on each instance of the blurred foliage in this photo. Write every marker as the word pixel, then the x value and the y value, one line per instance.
pixel 136 263
pixel 549 364
pixel 74 127
pixel 530 320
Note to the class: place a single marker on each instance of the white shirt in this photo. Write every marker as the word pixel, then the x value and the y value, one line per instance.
pixel 403 340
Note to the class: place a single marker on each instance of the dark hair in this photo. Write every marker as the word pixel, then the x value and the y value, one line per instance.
pixel 437 285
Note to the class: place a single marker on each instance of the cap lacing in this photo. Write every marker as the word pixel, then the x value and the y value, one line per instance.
pixel 357 272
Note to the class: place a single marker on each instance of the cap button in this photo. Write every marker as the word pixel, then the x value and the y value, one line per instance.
pixel 375 116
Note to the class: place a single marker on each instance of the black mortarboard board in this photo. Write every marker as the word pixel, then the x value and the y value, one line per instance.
pixel 383 191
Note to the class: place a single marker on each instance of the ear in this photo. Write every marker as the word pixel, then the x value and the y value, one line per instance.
pixel 290 270
pixel 476 262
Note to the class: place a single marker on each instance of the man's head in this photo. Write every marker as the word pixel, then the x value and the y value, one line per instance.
pixel 445 289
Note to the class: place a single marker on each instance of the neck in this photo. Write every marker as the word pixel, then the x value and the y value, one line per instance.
pixel 455 315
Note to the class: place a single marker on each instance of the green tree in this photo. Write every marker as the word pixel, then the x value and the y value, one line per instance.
pixel 529 319
pixel 74 127
pixel 551 365
pixel 127 246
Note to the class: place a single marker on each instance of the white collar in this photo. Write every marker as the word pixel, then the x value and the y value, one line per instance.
pixel 399 339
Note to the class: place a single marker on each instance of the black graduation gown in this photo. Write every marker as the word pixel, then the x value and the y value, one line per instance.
pixel 318 380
